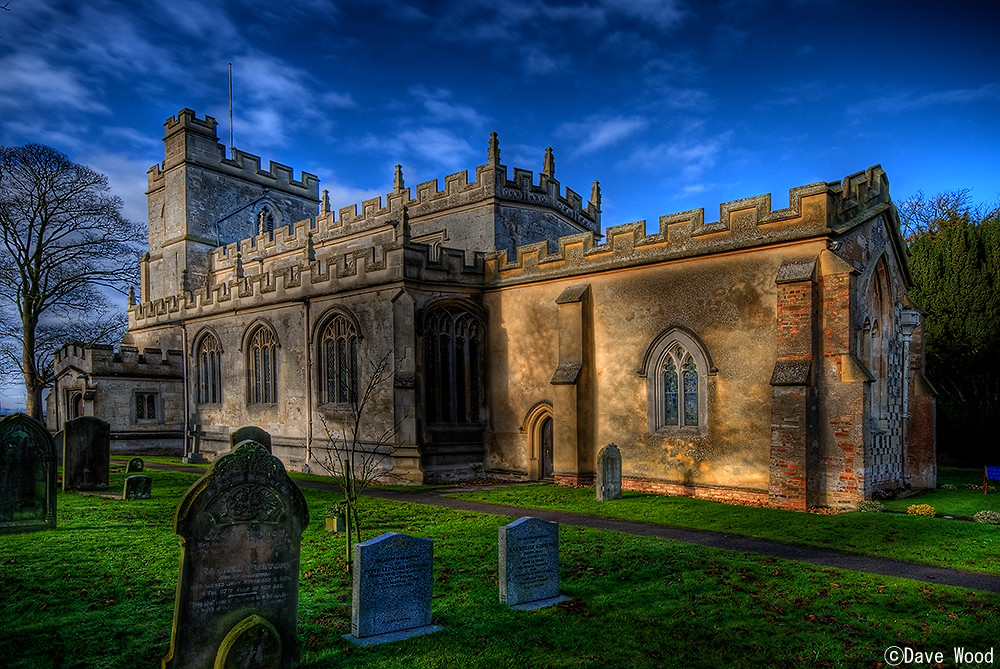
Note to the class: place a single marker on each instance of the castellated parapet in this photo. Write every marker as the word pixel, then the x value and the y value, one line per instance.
pixel 191 140
pixel 821 209
pixel 104 361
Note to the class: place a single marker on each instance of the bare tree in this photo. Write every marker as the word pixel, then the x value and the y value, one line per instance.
pixel 65 244
pixel 356 454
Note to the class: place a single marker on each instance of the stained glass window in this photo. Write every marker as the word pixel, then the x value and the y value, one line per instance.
pixel 263 368
pixel 209 370
pixel 340 348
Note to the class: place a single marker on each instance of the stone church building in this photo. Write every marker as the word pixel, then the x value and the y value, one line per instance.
pixel 769 357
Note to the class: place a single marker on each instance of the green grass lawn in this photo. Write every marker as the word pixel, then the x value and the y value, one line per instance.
pixel 936 541
pixel 98 593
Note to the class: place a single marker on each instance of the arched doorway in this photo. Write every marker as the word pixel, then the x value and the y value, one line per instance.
pixel 546 448
pixel 76 405
pixel 538 427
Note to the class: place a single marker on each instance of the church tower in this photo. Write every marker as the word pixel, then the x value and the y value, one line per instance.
pixel 199 199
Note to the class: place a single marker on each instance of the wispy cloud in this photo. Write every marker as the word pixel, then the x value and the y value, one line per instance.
pixel 441 108
pixel 686 159
pixel 30 82
pixel 596 133
pixel 664 14
pixel 907 101
pixel 423 149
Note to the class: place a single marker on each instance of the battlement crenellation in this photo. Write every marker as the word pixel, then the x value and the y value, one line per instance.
pixel 104 360
pixel 814 210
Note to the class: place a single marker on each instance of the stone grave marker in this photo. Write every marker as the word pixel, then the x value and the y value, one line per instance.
pixel 27 476
pixel 139 486
pixel 195 457
pixel 529 564
pixel 609 473
pixel 86 454
pixel 57 439
pixel 391 596
pixel 240 528
pixel 134 465
pixel 252 433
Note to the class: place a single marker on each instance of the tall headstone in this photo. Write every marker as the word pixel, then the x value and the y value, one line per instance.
pixel 529 564
pixel 27 476
pixel 391 596
pixel 195 457
pixel 251 433
pixel 240 530
pixel 86 454
pixel 609 473
pixel 139 486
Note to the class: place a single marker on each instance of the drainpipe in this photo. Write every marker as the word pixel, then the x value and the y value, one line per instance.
pixel 184 375
pixel 308 381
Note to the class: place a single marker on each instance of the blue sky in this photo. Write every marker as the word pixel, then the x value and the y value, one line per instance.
pixel 671 104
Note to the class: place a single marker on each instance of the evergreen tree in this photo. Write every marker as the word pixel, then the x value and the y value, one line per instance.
pixel 955 261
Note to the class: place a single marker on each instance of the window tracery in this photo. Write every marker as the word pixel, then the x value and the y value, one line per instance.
pixel 262 366
pixel 453 374
pixel 339 352
pixel 676 368
pixel 209 359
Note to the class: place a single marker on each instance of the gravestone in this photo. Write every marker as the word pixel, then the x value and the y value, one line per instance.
pixel 27 476
pixel 240 528
pixel 391 597
pixel 609 473
pixel 86 454
pixel 139 486
pixel 57 439
pixel 195 457
pixel 251 433
pixel 529 564
pixel 134 465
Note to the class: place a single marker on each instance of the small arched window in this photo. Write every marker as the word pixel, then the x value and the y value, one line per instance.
pixel 339 351
pixel 209 357
pixel 676 368
pixel 265 221
pixel 678 395
pixel 262 366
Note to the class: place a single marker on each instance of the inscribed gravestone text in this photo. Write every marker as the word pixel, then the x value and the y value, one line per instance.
pixel 529 563
pixel 392 585
pixel 241 527
pixel 27 476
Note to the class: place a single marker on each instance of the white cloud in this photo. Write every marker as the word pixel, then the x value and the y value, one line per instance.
pixel 439 106
pixel 437 147
pixel 689 159
pixel 127 179
pixel 30 82
pixel 906 101
pixel 598 133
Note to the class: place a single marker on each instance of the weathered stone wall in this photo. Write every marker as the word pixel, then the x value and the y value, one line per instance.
pixel 727 301
pixel 108 382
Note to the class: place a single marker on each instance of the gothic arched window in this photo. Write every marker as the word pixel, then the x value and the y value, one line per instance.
pixel 678 389
pixel 676 368
pixel 209 357
pixel 339 353
pixel 453 366
pixel 265 221
pixel 262 366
